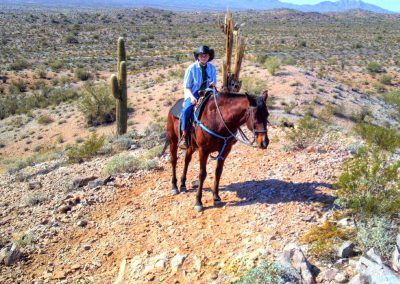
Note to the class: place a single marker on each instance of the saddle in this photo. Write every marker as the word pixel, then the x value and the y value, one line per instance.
pixel 176 110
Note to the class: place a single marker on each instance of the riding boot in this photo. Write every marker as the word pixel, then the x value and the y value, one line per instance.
pixel 184 142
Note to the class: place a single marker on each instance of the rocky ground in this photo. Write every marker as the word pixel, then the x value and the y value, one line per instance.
pixel 73 224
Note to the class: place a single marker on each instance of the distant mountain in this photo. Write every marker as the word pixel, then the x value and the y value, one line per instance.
pixel 217 5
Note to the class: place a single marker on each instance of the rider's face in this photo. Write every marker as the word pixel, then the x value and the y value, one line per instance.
pixel 203 58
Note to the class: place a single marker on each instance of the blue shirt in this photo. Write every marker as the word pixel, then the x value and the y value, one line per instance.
pixel 193 77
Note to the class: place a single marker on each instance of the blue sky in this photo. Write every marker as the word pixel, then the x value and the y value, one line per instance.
pixel 392 5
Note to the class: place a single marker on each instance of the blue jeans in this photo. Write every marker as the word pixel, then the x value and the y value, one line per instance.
pixel 187 112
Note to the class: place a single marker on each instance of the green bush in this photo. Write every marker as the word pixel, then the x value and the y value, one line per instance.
pixel 154 135
pixel 124 163
pixel 269 273
pixel 56 64
pixel 82 74
pixel 386 79
pixel 34 159
pixel 253 85
pixel 272 64
pixel 370 184
pixel 393 98
pixel 384 138
pixel 97 104
pixel 17 87
pixel 324 240
pixel 379 233
pixel 45 119
pixel 88 149
pixel 375 67
pixel 19 64
pixel 307 132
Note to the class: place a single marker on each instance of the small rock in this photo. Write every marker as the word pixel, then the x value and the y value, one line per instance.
pixel 341 278
pixel 346 250
pixel 34 185
pixel 177 261
pixel 395 259
pixel 329 275
pixel 86 247
pixel 10 256
pixel 59 275
pixel 345 222
pixel 374 255
pixel 214 275
pixel 80 182
pixel 64 209
pixel 82 223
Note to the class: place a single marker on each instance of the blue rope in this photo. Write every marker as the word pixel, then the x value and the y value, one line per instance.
pixel 209 131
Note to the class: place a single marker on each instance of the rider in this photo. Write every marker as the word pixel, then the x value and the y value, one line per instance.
pixel 200 75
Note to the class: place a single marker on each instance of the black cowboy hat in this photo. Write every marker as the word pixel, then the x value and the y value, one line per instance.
pixel 204 49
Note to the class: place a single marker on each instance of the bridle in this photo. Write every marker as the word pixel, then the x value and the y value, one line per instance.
pixel 242 138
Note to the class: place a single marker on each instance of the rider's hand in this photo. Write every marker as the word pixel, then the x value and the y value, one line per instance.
pixel 193 100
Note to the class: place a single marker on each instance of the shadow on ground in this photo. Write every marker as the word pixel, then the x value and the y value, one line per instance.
pixel 275 191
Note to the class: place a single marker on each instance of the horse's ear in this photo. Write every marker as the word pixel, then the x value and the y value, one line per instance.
pixel 250 99
pixel 265 95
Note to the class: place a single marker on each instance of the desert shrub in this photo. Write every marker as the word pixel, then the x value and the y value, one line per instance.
pixel 82 74
pixel 122 142
pixel 290 61
pixel 36 158
pixel 153 152
pixel 154 135
pixel 361 115
pixel 307 132
pixel 384 138
pixel 324 239
pixel 18 86
pixel 41 73
pixel 97 104
pixel 36 198
pixel 288 107
pixel 268 273
pixel 19 64
pixel 87 149
pixel 272 64
pixel 126 163
pixel 45 119
pixel 56 64
pixel 261 58
pixel 253 85
pixel 386 79
pixel 379 233
pixel 71 39
pixel 177 73
pixel 393 98
pixel 370 184
pixel 375 67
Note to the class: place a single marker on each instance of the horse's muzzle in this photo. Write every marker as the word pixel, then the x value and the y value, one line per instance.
pixel 262 140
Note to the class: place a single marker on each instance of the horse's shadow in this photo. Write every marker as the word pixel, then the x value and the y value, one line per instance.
pixel 275 191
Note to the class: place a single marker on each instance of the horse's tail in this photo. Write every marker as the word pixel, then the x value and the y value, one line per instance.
pixel 165 148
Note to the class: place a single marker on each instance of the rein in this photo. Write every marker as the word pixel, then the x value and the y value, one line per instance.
pixel 243 138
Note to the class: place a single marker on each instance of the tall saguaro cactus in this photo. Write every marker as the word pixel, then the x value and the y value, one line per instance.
pixel 119 89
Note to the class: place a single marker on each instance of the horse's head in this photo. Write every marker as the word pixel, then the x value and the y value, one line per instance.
pixel 258 118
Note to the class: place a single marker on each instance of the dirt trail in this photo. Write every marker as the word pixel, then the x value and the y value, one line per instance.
pixel 270 199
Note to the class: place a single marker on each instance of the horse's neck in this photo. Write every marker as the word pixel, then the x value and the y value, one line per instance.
pixel 233 111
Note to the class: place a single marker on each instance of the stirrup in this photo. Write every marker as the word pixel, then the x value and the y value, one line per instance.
pixel 183 143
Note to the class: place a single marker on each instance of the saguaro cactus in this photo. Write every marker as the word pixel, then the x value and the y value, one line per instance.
pixel 119 89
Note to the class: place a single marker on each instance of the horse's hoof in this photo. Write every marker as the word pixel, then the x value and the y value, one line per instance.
pixel 198 208
pixel 217 202
pixel 183 189
pixel 174 192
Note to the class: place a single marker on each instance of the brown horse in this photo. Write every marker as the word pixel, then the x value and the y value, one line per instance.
pixel 222 116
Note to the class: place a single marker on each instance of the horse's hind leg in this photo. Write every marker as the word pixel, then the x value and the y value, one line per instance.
pixel 202 176
pixel 173 148
pixel 188 158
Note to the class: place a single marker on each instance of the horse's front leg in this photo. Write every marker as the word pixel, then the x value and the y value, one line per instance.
pixel 218 173
pixel 202 176
pixel 188 158
pixel 215 188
